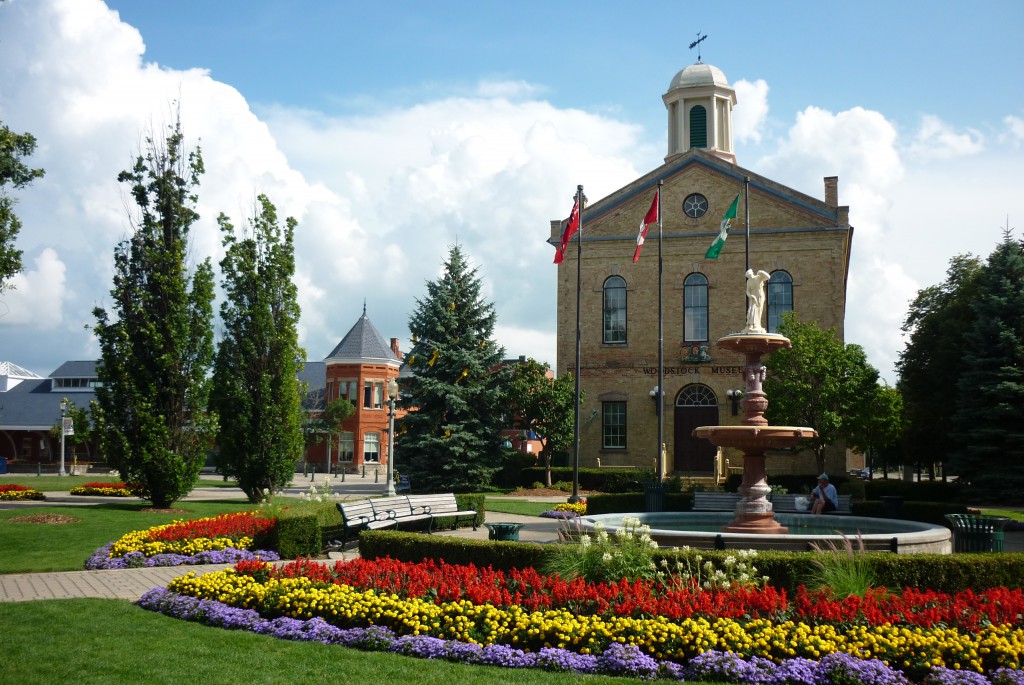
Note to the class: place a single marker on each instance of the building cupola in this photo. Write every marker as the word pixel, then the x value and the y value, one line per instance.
pixel 699 102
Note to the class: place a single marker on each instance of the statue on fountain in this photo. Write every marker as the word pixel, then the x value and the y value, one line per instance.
pixel 755 300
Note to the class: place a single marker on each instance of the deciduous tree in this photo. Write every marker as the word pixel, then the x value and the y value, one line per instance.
pixel 543 404
pixel 820 382
pixel 14 173
pixel 157 348
pixel 256 391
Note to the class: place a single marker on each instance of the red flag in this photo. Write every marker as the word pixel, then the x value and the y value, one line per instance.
pixel 570 228
pixel 651 218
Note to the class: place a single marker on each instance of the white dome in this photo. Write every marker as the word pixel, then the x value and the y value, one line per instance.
pixel 697 75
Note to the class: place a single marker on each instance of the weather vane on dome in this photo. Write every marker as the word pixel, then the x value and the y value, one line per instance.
pixel 696 44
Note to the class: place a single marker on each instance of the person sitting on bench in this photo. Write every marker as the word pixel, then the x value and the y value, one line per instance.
pixel 824 497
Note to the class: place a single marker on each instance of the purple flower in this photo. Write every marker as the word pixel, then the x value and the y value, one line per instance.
pixel 1007 676
pixel 503 655
pixel 101 559
pixel 846 669
pixel 558 659
pixel 715 665
pixel 626 660
pixel 558 514
pixel 797 671
pixel 949 676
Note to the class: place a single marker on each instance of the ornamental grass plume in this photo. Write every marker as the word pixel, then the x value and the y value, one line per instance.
pixel 844 570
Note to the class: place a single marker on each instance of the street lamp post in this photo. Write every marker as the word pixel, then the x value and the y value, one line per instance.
pixel 392 390
pixel 63 432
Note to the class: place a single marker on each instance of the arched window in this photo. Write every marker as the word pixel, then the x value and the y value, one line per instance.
pixel 780 298
pixel 615 310
pixel 696 395
pixel 698 126
pixel 695 308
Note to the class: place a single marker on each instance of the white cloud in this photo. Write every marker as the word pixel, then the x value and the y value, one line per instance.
pixel 935 139
pixel 1014 129
pixel 378 199
pixel 36 297
pixel 751 111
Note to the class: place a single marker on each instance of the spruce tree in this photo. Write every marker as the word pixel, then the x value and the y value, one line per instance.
pixel 256 392
pixel 932 362
pixel 157 351
pixel 990 414
pixel 449 440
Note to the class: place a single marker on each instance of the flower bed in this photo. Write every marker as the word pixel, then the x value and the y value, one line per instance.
pixel 220 539
pixel 481 612
pixel 104 489
pixel 13 491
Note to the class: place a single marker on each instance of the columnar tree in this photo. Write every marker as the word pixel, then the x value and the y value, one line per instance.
pixel 13 172
pixel 543 404
pixel 821 383
pixel 157 349
pixel 933 359
pixel 256 391
pixel 449 440
pixel 989 420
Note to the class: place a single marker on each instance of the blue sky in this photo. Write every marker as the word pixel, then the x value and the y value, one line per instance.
pixel 398 128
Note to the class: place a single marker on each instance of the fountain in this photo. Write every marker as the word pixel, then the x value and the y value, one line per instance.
pixel 754 524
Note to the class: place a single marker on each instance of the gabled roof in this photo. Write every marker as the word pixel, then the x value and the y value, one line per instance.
pixel 13 370
pixel 363 344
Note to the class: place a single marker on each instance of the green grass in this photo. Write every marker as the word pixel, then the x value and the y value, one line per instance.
pixel 113 642
pixel 517 506
pixel 1016 515
pixel 39 547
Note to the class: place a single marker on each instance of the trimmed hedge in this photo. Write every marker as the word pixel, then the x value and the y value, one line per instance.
pixel 297 536
pixel 634 501
pixel 924 512
pixel 941 572
pixel 604 480
pixel 415 547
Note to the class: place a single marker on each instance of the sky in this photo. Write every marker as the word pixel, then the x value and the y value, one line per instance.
pixel 392 131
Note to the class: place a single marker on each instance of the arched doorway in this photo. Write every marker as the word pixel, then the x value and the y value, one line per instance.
pixel 696 405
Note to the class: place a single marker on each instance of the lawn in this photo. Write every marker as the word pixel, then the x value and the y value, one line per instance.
pixel 112 641
pixel 39 547
pixel 50 483
pixel 516 506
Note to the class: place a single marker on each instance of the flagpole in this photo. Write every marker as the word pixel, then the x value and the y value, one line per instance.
pixel 746 219
pixel 576 411
pixel 660 399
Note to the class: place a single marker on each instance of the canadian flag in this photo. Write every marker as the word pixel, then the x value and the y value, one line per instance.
pixel 650 218
pixel 570 228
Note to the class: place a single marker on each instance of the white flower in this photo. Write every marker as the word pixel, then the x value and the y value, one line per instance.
pixel 730 560
pixel 606 557
pixel 652 544
pixel 585 541
pixel 664 563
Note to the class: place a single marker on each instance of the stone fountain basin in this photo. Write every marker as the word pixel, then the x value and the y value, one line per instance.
pixel 702 530
pixel 757 438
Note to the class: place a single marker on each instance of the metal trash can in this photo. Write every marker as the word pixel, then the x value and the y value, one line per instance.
pixel 654 497
pixel 977 532
pixel 503 531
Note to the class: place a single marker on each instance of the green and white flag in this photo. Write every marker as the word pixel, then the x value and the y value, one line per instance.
pixel 723 233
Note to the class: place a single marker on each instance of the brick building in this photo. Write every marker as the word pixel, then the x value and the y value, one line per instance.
pixel 802 241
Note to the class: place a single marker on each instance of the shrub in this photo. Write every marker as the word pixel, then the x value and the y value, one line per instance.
pixel 297 536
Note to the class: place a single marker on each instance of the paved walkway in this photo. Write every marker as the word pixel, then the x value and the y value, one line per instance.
pixel 131 584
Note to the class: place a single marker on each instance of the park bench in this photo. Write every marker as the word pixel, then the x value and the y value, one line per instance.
pixel 783 504
pixel 441 507
pixel 393 512
pixel 786 504
pixel 715 501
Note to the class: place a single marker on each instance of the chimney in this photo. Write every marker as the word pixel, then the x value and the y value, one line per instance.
pixel 832 191
pixel 394 347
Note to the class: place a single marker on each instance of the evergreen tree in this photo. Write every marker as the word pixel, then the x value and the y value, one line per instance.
pixel 990 415
pixel 13 146
pixel 821 383
pixel 932 362
pixel 256 391
pixel 157 352
pixel 449 440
